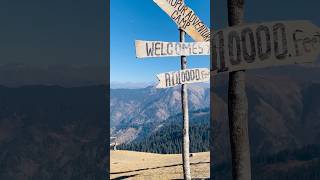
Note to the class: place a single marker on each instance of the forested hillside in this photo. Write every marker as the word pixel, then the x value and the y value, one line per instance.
pixel 52 132
pixel 284 119
pixel 168 139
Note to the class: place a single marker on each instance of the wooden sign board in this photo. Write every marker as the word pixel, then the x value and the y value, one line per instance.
pixel 147 49
pixel 185 18
pixel 264 45
pixel 171 79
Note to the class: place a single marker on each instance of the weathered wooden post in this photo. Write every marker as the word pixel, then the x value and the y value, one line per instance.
pixel 199 32
pixel 282 44
pixel 185 115
pixel 238 107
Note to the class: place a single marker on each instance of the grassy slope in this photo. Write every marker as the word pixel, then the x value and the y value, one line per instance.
pixel 139 165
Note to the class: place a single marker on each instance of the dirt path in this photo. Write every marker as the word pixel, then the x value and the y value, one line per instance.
pixel 149 166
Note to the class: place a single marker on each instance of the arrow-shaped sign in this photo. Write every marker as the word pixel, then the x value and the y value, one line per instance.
pixel 185 18
pixel 247 46
pixel 146 49
pixel 264 45
pixel 174 78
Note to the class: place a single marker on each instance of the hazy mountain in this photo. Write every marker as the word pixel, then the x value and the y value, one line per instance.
pixel 283 110
pixel 129 85
pixel 283 114
pixel 67 75
pixel 132 111
pixel 51 132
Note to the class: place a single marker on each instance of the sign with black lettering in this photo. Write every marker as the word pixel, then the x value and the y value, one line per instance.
pixel 185 18
pixel 264 45
pixel 146 49
pixel 171 79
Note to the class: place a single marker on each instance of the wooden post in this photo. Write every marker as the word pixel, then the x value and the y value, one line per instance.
pixel 238 108
pixel 185 115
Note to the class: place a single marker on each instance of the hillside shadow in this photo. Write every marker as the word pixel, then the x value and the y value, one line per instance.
pixel 144 169
pixel 194 179
pixel 124 177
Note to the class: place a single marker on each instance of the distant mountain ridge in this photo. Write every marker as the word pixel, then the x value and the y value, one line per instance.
pixel 129 85
pixel 132 110
pixel 66 75
pixel 283 110
pixel 52 132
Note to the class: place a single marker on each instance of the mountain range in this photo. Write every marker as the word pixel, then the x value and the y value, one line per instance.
pixel 66 75
pixel 283 110
pixel 137 112
pixel 53 132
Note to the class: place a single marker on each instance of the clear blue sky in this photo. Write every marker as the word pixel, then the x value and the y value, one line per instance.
pixel 53 32
pixel 144 20
pixel 132 20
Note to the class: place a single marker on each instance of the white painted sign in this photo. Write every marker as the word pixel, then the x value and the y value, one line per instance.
pixel 174 78
pixel 263 45
pixel 185 18
pixel 146 49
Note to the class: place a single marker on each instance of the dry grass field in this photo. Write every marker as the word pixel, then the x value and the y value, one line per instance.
pixel 149 166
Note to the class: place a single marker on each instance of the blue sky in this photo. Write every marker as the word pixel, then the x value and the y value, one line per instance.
pixel 38 32
pixel 132 20
pixel 144 20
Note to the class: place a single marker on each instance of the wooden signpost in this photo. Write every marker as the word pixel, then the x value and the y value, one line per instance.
pixel 185 117
pixel 185 18
pixel 264 45
pixel 237 104
pixel 233 50
pixel 189 23
pixel 247 46
pixel 187 76
pixel 147 49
